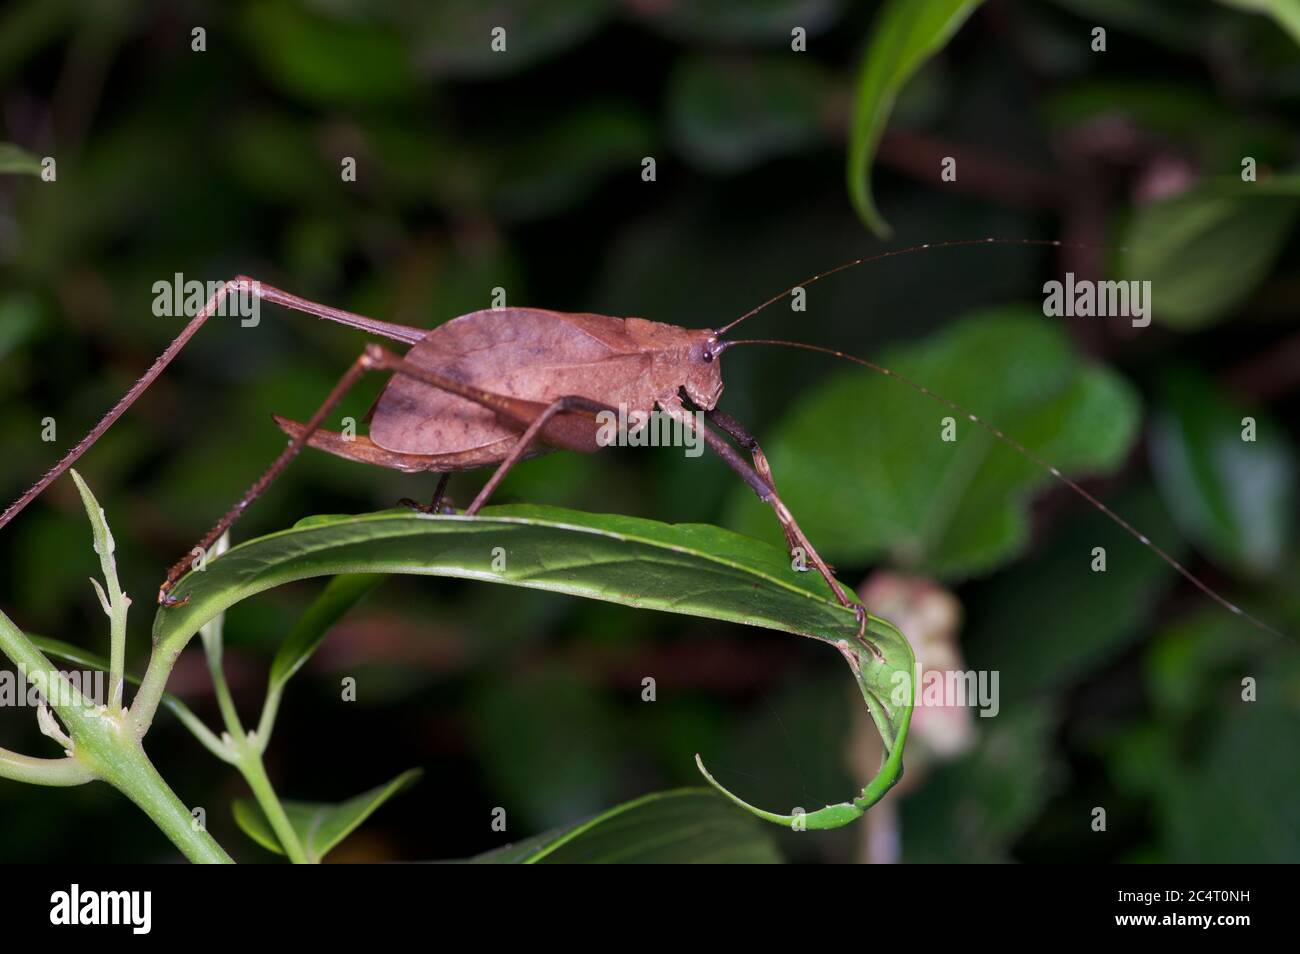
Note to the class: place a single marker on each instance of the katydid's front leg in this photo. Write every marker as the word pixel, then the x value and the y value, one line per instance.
pixel 748 442
pixel 766 491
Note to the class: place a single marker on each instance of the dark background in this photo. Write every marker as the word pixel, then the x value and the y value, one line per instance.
pixel 477 170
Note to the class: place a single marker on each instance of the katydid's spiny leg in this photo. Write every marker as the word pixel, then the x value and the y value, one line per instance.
pixel 748 442
pixel 373 358
pixel 364 363
pixel 240 283
pixel 127 399
pixel 439 494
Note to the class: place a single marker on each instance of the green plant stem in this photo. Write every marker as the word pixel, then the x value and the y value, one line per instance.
pixel 152 687
pixel 246 749
pixel 266 724
pixel 36 771
pixel 254 773
pixel 106 745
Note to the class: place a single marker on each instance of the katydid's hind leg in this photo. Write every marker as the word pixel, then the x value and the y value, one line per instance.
pixel 365 362
pixel 241 284
pixel 528 438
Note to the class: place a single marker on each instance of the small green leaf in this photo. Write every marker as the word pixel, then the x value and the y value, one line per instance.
pixel 863 464
pixel 693 569
pixel 15 159
pixel 684 826
pixel 1205 249
pixel 340 595
pixel 319 826
pixel 904 35
pixel 1233 496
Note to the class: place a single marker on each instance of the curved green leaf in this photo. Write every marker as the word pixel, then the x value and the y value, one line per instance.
pixel 692 569
pixel 904 35
pixel 320 826
pixel 683 826
pixel 884 481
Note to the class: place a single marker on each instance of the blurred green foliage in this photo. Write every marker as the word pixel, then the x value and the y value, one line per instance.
pixel 523 170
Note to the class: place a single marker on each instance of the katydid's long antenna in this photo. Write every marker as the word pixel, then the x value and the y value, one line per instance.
pixel 1021 448
pixel 956 243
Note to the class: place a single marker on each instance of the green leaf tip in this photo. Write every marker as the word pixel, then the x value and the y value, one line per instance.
pixel 905 34
pixel 104 545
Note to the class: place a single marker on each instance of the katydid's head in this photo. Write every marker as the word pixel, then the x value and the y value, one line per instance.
pixel 685 358
pixel 704 369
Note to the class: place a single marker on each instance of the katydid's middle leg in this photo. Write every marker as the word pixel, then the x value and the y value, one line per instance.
pixel 435 505
pixel 528 438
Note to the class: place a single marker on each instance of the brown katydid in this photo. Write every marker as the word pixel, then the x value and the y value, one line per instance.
pixel 496 386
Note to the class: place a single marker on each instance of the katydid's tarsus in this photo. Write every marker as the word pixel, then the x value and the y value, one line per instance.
pixel 494 387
